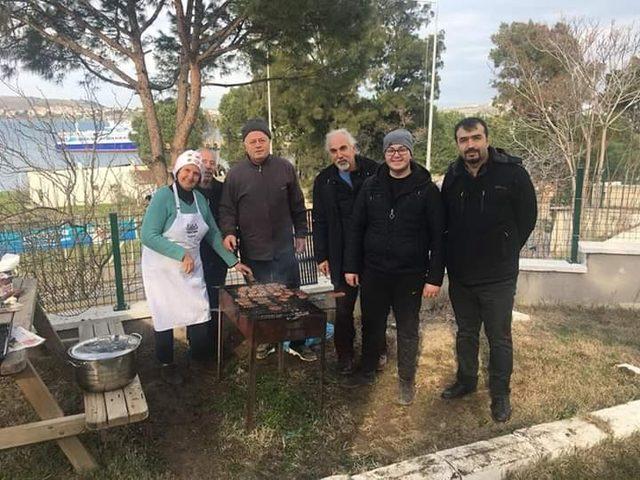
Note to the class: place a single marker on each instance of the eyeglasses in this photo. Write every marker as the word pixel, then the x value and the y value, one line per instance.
pixel 392 151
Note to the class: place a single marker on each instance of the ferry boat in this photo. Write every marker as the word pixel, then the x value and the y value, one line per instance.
pixel 110 139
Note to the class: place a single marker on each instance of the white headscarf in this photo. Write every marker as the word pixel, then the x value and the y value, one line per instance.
pixel 188 157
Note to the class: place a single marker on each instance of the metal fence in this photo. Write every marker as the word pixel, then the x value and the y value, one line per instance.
pixel 77 266
pixel 73 260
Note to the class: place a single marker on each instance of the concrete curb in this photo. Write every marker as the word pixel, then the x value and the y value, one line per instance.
pixel 492 459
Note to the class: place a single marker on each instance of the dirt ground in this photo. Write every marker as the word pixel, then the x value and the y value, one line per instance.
pixel 563 367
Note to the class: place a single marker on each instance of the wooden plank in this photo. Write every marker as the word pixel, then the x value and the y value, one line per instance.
pixel 24 316
pixel 36 432
pixel 115 327
pixel 117 412
pixel 44 328
pixel 136 401
pixel 101 328
pixel 86 331
pixel 95 410
pixel 46 407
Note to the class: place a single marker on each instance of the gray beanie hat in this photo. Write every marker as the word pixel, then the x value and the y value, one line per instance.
pixel 398 137
pixel 253 125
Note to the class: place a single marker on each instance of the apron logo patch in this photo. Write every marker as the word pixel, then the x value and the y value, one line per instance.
pixel 192 229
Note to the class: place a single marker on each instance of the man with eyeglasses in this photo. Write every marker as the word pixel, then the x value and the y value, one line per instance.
pixel 262 203
pixel 394 252
pixel 334 193
pixel 491 211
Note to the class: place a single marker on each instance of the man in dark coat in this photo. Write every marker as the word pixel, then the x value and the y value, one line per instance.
pixel 491 211
pixel 334 192
pixel 215 270
pixel 394 252
pixel 262 203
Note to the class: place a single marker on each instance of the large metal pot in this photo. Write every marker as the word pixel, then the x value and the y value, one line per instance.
pixel 104 363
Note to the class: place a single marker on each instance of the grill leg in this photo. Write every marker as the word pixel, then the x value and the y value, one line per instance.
pixel 323 345
pixel 219 366
pixel 281 358
pixel 251 401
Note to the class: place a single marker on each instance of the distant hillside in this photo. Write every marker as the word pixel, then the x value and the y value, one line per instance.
pixel 24 103
pixel 479 109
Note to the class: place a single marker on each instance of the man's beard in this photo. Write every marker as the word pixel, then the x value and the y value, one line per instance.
pixel 474 160
pixel 343 166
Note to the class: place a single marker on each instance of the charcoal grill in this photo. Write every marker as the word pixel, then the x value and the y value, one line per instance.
pixel 268 318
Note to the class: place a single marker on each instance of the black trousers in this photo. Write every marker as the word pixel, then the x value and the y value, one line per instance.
pixel 200 344
pixel 491 304
pixel 215 276
pixel 282 269
pixel 344 330
pixel 402 293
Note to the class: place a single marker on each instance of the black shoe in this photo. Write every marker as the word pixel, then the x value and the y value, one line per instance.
pixel 359 379
pixel 501 408
pixel 457 390
pixel 406 392
pixel 382 362
pixel 346 367
pixel 170 374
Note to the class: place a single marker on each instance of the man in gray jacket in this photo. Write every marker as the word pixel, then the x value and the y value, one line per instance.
pixel 263 205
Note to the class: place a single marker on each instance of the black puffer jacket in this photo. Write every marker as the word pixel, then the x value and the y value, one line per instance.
pixel 398 235
pixel 333 203
pixel 489 218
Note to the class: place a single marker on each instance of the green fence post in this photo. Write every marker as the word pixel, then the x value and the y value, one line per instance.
pixel 577 214
pixel 117 263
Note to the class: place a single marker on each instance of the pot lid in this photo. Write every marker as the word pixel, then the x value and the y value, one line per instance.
pixel 104 347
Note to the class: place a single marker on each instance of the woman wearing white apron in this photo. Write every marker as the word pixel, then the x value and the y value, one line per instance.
pixel 175 222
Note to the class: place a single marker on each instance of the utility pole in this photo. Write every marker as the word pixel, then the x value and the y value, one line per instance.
pixel 269 102
pixel 433 83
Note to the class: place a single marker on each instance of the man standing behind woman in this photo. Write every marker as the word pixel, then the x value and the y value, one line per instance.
pixel 394 252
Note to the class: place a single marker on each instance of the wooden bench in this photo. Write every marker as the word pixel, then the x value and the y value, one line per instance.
pixel 116 407
pixel 102 410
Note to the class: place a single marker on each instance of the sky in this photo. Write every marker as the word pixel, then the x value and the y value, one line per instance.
pixel 467 71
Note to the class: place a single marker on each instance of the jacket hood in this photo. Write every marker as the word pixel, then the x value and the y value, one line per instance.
pixel 497 155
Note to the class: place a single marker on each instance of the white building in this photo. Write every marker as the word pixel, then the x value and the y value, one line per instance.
pixel 89 186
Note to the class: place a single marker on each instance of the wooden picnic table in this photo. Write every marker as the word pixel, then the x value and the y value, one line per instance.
pixel 102 410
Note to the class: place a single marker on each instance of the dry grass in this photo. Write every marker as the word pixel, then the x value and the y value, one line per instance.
pixel 563 367
pixel 611 460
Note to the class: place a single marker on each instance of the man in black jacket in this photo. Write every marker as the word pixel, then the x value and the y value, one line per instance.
pixel 394 251
pixel 491 211
pixel 334 192
pixel 215 270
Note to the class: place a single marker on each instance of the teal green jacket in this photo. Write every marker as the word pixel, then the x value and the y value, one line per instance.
pixel 159 217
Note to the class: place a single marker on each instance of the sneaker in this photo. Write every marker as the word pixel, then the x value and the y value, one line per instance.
pixel 382 362
pixel 501 408
pixel 170 374
pixel 359 379
pixel 264 350
pixel 406 392
pixel 304 353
